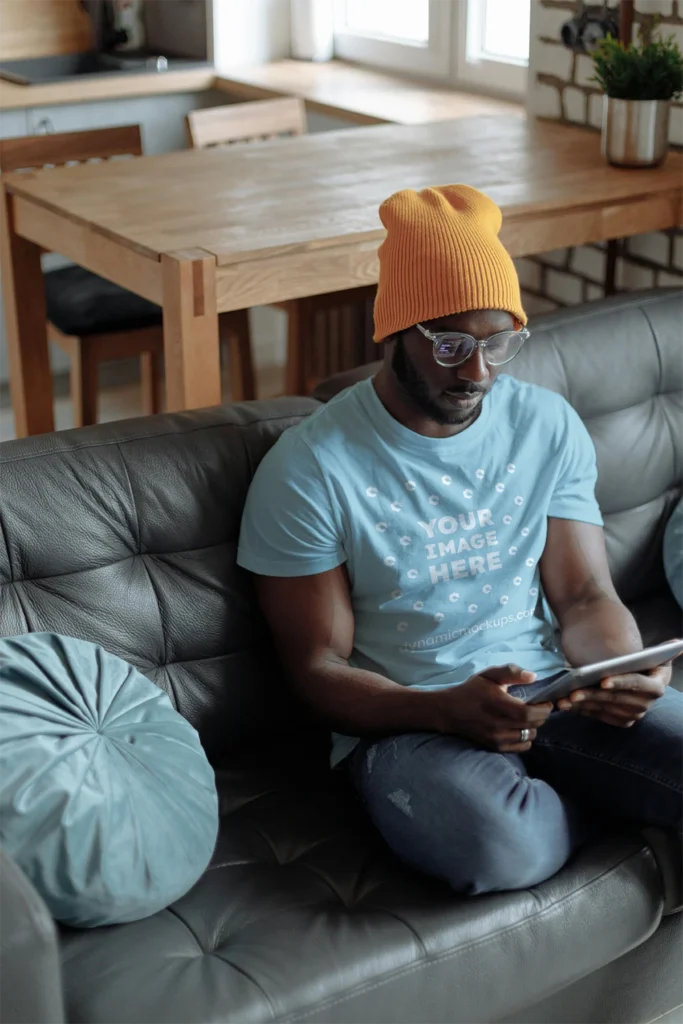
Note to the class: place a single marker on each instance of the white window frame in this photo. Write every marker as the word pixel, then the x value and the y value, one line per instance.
pixel 455 27
pixel 431 60
pixel 485 75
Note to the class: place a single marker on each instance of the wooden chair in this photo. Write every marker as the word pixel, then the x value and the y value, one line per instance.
pixel 91 319
pixel 252 122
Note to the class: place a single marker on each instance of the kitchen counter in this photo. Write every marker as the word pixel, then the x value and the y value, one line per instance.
pixel 358 95
pixel 361 95
pixel 118 85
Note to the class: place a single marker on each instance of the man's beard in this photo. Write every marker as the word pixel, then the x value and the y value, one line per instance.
pixel 417 389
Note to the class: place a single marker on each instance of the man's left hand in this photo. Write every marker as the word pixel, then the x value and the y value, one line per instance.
pixel 620 700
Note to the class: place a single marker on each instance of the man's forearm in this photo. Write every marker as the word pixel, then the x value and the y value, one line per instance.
pixel 354 701
pixel 597 629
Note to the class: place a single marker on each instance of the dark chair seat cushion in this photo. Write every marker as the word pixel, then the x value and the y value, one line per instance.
pixel 81 303
pixel 304 914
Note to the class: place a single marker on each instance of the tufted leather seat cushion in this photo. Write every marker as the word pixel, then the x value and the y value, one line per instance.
pixel 81 303
pixel 304 914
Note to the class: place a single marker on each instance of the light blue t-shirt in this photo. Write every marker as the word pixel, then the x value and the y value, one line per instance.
pixel 441 536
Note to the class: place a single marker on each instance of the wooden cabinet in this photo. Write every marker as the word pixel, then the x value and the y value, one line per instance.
pixel 162 117
pixel 13 122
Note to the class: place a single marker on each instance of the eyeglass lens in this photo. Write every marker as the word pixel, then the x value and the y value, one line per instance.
pixel 450 351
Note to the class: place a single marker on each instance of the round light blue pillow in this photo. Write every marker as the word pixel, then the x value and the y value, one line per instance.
pixel 107 800
pixel 673 552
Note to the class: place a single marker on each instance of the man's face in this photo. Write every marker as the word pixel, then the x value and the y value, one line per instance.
pixel 448 395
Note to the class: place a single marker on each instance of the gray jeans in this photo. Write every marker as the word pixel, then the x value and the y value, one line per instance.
pixel 487 822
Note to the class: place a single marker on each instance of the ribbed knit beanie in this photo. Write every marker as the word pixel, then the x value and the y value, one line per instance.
pixel 442 255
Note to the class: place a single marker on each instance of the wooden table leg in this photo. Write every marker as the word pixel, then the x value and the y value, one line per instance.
pixel 23 293
pixel 191 350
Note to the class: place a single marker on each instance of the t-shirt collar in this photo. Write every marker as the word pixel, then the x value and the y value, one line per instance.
pixel 396 434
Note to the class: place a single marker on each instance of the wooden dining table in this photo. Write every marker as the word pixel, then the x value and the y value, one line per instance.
pixel 203 232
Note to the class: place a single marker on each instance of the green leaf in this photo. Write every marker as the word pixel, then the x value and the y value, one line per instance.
pixel 651 70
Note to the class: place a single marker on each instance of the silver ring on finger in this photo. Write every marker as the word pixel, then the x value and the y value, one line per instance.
pixel 524 735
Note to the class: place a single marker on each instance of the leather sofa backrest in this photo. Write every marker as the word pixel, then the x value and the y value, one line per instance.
pixel 125 534
pixel 620 364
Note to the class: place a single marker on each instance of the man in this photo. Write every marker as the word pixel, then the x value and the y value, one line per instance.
pixel 400 539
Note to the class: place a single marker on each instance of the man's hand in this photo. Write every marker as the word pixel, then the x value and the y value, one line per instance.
pixel 620 700
pixel 481 710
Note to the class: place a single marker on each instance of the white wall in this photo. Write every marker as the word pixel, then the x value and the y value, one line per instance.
pixel 250 32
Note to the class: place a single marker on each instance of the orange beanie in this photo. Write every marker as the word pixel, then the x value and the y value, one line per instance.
pixel 442 255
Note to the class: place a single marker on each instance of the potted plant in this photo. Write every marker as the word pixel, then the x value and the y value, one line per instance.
pixel 639 82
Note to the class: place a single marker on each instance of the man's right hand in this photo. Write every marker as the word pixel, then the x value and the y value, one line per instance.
pixel 482 711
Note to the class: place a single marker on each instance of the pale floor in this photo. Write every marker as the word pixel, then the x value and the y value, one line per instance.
pixel 119 402
pixel 119 397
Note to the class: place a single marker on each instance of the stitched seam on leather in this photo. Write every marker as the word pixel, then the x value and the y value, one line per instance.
pixel 155 591
pixel 635 769
pixel 118 561
pixel 672 438
pixel 657 350
pixel 17 593
pixel 132 498
pixel 321 878
pixel 452 954
pixel 666 1012
pixel 46 454
pixel 3 533
pixel 191 930
pixel 406 924
pixel 245 974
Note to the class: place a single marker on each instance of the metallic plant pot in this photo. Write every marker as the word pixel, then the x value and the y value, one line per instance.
pixel 635 133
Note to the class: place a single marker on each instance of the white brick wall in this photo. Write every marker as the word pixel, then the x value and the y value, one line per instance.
pixel 631 277
pixel 669 280
pixel 654 246
pixel 533 305
pixel 590 262
pixel 557 257
pixel 547 21
pixel 546 101
pixel 554 60
pixel 575 105
pixel 563 287
pixel 676 126
pixel 529 273
pixel 595 110
pixel 584 70
pixel 678 252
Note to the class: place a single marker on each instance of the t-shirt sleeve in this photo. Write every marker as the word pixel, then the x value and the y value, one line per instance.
pixel 574 492
pixel 289 525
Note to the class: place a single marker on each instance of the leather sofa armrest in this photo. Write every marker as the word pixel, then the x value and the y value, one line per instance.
pixel 31 989
pixel 667 847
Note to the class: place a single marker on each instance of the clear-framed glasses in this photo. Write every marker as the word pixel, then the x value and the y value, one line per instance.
pixel 451 348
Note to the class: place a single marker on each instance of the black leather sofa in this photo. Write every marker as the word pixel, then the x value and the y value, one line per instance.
pixel 125 534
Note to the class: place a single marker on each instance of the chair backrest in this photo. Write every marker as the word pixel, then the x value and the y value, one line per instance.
pixel 29 152
pixel 246 122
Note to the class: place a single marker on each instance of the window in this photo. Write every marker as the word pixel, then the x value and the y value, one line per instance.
pixel 406 35
pixel 493 44
pixel 481 44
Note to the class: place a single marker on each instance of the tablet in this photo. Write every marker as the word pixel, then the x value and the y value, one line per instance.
pixel 591 675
